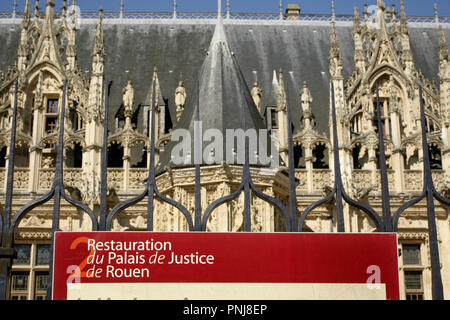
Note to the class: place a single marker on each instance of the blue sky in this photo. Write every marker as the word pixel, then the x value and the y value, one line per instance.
pixel 413 7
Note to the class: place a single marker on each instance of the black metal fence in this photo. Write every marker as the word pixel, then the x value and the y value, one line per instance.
pixel 198 223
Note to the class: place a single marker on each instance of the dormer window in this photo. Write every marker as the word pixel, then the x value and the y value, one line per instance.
pixel 272 118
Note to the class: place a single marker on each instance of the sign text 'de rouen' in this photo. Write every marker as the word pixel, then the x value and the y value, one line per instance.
pixel 225 266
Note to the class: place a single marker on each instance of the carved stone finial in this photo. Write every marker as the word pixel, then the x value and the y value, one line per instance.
pixel 333 13
pixel 99 46
pixel 36 9
pixel 281 9
pixel 443 48
pixel 26 11
pixel 436 13
pixel 403 19
pixel 335 58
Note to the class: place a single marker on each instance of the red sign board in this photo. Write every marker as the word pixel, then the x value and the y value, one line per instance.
pixel 238 265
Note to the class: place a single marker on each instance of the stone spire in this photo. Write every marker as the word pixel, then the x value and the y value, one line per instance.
pixel 49 10
pixel 26 11
pixel 381 18
pixel 64 11
pixel 443 48
pixel 333 12
pixel 23 45
pixel 403 18
pixel 436 13
pixel 335 58
pixel 36 10
pixel 95 103
pixel 306 100
pixel 99 45
pixel 282 119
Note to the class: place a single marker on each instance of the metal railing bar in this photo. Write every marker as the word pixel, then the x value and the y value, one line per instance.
pixel 213 15
pixel 436 278
pixel 337 165
pixel 313 206
pixel 386 206
pixel 198 195
pixel 10 173
pixel 104 163
pixel 292 184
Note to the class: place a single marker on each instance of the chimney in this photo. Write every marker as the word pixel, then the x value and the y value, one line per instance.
pixel 292 12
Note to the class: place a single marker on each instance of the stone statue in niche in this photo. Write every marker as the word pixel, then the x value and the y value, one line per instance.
pixel 128 97
pixel 256 95
pixel 47 48
pixel 306 99
pixel 180 98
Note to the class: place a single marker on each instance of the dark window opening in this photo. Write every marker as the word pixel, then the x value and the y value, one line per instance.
pixel 299 158
pixel 356 163
pixel 3 157
pixel 168 125
pixel 139 156
pixel 115 156
pixel 22 156
pixel 74 157
pixel 435 158
pixel 320 157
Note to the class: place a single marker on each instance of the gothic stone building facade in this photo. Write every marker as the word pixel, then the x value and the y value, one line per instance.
pixel 41 49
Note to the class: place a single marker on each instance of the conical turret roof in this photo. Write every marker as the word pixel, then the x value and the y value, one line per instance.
pixel 221 96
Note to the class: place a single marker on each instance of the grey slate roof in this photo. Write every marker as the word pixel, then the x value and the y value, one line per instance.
pixel 181 49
